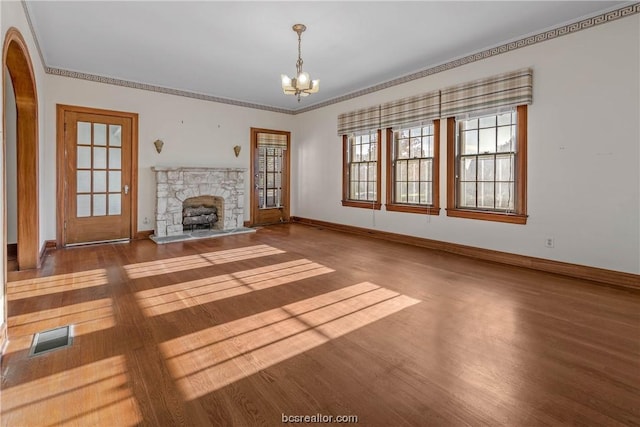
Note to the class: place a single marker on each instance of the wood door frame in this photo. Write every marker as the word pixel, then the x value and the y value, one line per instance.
pixel 61 110
pixel 287 193
pixel 16 59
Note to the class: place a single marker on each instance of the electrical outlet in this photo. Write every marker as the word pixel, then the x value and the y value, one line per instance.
pixel 146 220
pixel 549 242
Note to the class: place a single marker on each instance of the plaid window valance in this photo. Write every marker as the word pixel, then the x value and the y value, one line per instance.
pixel 503 90
pixel 410 110
pixel 272 140
pixel 359 120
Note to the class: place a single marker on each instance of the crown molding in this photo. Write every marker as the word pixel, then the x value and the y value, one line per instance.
pixel 570 28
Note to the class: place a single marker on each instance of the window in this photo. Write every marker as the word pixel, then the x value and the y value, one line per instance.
pixel 413 169
pixel 487 161
pixel 361 170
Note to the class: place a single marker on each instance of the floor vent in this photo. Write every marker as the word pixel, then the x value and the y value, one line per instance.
pixel 53 339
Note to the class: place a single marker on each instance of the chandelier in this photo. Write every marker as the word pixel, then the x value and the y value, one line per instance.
pixel 301 85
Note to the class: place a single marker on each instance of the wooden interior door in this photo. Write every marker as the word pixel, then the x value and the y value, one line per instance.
pixel 97 177
pixel 269 176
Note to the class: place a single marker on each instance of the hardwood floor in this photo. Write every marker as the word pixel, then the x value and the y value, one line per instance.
pixel 297 320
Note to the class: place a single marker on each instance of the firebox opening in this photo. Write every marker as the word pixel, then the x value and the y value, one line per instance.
pixel 203 212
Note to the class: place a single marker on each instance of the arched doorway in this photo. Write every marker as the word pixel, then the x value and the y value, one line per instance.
pixel 16 59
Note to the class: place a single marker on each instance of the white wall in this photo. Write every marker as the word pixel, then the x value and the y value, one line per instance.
pixel 11 159
pixel 584 158
pixel 195 133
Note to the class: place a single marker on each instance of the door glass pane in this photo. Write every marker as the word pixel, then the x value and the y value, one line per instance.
pixel 114 181
pixel 99 181
pixel 99 158
pixel 84 158
pixel 114 158
pixel 99 204
pixel 84 133
pixel 115 204
pixel 115 135
pixel 84 181
pixel 99 134
pixel 83 205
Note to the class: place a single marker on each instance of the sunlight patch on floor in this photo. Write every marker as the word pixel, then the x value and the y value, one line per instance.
pixel 172 265
pixel 93 394
pixel 40 286
pixel 98 313
pixel 183 295
pixel 220 355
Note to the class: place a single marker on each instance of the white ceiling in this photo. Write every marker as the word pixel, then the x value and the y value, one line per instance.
pixel 237 50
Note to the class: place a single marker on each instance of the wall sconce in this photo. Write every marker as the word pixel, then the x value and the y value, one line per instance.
pixel 158 143
pixel 236 150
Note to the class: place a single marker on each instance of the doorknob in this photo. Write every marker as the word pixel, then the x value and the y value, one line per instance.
pixel 126 189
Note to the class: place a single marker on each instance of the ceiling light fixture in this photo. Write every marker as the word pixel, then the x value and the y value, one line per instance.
pixel 301 85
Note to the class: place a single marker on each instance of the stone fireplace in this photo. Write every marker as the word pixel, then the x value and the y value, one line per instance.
pixel 175 185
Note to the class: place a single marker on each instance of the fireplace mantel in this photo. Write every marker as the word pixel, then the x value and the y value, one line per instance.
pixel 174 184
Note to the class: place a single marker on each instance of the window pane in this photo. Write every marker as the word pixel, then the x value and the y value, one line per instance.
pixel 373 137
pixel 354 175
pixel 425 193
pixel 373 152
pixel 362 190
pixel 356 153
pixel 114 181
pixel 99 134
pixel 468 194
pixel 115 156
pixel 364 153
pixel 401 192
pixel 487 140
pixel 371 173
pixel 427 130
pixel 505 139
pixel 115 135
pixel 83 205
pixel 505 196
pixel 84 133
pixel 84 182
pixel 487 121
pixel 427 146
pixel 402 151
pixel 363 171
pixel 504 119
pixel 99 158
pixel 426 173
pixel 371 190
pixel 99 204
pixel 468 169
pixel 413 170
pixel 505 168
pixel 84 158
pixel 468 124
pixel 414 195
pixel 415 132
pixel 364 139
pixel 485 195
pixel 99 181
pixel 401 171
pixel 485 168
pixel 469 142
pixel 115 207
pixel 270 180
pixel 416 148
pixel 353 190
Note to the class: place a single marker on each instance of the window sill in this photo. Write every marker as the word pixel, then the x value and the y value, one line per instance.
pixel 417 209
pixel 488 216
pixel 361 204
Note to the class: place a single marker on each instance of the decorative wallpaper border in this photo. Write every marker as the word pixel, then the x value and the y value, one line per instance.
pixel 613 15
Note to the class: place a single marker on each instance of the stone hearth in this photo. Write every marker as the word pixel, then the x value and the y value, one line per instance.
pixel 176 184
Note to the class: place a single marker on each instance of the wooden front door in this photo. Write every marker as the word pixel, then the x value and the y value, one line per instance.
pixel 97 176
pixel 269 176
